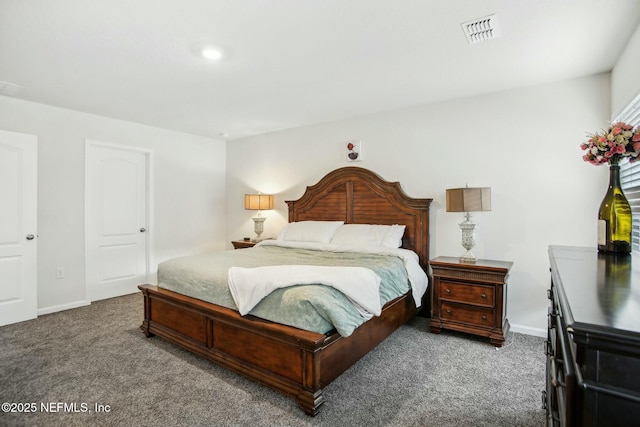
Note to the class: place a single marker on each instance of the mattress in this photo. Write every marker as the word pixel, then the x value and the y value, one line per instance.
pixel 315 308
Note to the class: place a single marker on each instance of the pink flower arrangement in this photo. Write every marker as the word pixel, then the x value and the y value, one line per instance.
pixel 610 146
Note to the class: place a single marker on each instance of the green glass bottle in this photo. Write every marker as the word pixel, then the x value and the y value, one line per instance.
pixel 614 218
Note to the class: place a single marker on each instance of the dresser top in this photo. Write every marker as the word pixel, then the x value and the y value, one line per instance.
pixel 600 292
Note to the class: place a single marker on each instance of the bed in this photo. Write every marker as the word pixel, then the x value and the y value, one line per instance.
pixel 293 361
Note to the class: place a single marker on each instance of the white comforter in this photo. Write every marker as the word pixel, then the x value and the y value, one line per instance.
pixel 417 277
pixel 361 285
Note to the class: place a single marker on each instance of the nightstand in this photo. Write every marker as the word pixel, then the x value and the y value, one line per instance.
pixel 241 244
pixel 470 298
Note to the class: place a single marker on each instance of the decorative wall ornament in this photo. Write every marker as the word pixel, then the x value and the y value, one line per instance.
pixel 354 151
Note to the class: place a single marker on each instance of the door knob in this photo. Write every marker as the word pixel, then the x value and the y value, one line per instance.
pixel 142 230
pixel 30 237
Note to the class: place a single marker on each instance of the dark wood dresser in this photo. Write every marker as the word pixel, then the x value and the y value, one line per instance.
pixel 593 345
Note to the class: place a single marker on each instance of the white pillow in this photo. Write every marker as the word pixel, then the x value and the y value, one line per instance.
pixel 393 238
pixel 310 231
pixel 389 236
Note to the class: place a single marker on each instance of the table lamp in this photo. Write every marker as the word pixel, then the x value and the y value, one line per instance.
pixel 258 202
pixel 468 200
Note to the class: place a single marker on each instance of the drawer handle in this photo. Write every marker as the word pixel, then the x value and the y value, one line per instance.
pixel 448 291
pixel 448 311
pixel 484 317
pixel 555 381
pixel 551 320
pixel 483 295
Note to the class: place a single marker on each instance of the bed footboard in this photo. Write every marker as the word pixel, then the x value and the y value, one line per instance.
pixel 292 361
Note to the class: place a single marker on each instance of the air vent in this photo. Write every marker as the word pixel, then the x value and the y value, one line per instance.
pixel 9 89
pixel 481 30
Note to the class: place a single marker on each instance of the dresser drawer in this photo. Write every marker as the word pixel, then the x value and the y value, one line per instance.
pixel 467 293
pixel 467 314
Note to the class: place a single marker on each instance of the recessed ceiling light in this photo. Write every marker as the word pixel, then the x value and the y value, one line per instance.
pixel 210 50
pixel 212 53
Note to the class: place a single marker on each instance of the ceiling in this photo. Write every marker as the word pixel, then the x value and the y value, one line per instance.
pixel 290 63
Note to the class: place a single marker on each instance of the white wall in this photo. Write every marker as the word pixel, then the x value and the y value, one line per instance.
pixel 625 76
pixel 523 143
pixel 189 194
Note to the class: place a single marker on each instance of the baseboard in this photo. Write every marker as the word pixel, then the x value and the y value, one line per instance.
pixel 56 308
pixel 527 330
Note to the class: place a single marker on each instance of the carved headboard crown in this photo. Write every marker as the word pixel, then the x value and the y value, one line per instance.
pixel 358 196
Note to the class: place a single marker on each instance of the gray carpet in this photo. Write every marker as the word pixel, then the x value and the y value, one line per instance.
pixel 97 355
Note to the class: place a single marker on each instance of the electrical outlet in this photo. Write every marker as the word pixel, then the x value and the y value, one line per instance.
pixel 59 273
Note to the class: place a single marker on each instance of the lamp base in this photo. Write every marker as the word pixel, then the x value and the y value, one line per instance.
pixel 258 226
pixel 467 258
pixel 468 240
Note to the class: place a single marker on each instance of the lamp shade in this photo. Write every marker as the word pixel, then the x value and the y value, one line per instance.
pixel 469 199
pixel 258 202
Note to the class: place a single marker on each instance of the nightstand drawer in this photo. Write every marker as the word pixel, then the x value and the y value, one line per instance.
pixel 470 297
pixel 466 314
pixel 465 293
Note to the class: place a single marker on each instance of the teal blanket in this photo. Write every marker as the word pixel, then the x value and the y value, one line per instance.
pixel 314 308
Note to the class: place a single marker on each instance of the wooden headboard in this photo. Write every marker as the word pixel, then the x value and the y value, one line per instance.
pixel 358 196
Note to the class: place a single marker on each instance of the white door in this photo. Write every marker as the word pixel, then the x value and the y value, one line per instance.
pixel 18 220
pixel 116 220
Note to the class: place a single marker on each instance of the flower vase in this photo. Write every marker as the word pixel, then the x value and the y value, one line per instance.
pixel 614 218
